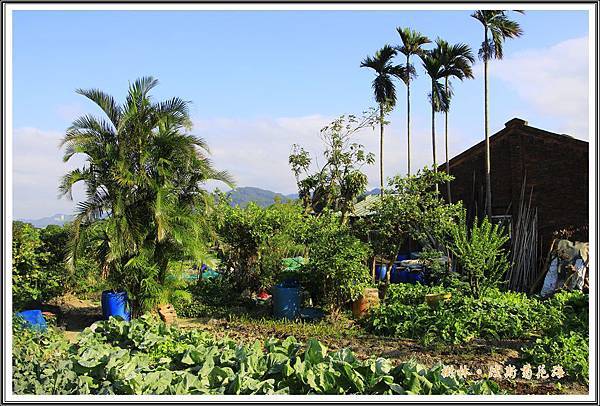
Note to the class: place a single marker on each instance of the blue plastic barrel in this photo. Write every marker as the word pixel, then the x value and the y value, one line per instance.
pixel 286 301
pixel 380 272
pixel 395 274
pixel 420 278
pixel 115 304
pixel 33 319
pixel 402 257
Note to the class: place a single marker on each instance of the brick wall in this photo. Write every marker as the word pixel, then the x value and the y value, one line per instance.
pixel 555 166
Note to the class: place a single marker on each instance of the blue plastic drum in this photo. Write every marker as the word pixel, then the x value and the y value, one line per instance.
pixel 115 304
pixel 33 319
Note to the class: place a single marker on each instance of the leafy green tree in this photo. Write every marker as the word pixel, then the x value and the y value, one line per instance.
pixel 412 207
pixel 497 25
pixel 339 182
pixel 412 42
pixel 336 271
pixel 253 241
pixel 144 174
pixel 480 254
pixel 33 280
pixel 456 61
pixel 384 90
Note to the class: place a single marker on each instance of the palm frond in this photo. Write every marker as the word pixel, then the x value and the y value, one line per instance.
pixel 105 101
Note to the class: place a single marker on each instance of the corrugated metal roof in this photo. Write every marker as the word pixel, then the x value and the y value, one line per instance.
pixel 365 207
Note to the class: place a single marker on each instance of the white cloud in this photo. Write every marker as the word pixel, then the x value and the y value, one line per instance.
pixel 553 80
pixel 255 151
pixel 37 168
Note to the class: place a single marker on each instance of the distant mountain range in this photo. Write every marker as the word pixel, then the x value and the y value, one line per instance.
pixel 57 219
pixel 239 197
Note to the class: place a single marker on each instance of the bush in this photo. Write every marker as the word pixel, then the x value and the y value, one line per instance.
pixel 480 254
pixel 336 271
pixel 86 277
pixel 210 297
pixel 411 207
pixel 35 277
pixel 253 241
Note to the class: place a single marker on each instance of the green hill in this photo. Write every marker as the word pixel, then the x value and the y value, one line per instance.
pixel 243 195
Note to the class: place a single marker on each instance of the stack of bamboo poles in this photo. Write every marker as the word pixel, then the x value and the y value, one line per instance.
pixel 524 247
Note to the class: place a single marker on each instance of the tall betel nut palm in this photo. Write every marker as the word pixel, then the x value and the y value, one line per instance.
pixel 412 42
pixel 143 175
pixel 384 90
pixel 457 61
pixel 496 28
pixel 439 96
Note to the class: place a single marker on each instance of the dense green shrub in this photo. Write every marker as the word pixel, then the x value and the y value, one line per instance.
pixel 479 254
pixel 35 275
pixel 85 278
pixel 146 357
pixel 209 297
pixel 336 271
pixel 253 241
pixel 412 207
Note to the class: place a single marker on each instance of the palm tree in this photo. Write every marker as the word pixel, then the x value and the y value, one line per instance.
pixel 143 175
pixel 384 89
pixel 500 27
pixel 439 96
pixel 412 41
pixel 457 61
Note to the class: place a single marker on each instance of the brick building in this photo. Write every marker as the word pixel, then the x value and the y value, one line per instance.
pixel 554 165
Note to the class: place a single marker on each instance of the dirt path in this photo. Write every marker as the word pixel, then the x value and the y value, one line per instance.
pixel 74 314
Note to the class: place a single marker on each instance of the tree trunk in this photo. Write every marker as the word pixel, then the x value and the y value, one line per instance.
pixel 447 159
pixel 381 149
pixel 433 133
pixel 488 183
pixel 408 114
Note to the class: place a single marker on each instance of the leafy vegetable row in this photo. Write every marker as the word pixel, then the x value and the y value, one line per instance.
pixel 148 357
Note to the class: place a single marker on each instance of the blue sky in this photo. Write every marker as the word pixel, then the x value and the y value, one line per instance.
pixel 262 80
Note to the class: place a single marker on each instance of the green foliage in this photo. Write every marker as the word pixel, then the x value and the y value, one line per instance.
pixel 570 350
pixel 336 271
pixel 36 276
pixel 337 184
pixel 566 342
pixel 41 362
pixel 209 297
pixel 253 241
pixel 480 254
pixel 497 315
pixel 86 277
pixel 146 357
pixel 411 207
pixel 144 175
pixel 325 328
